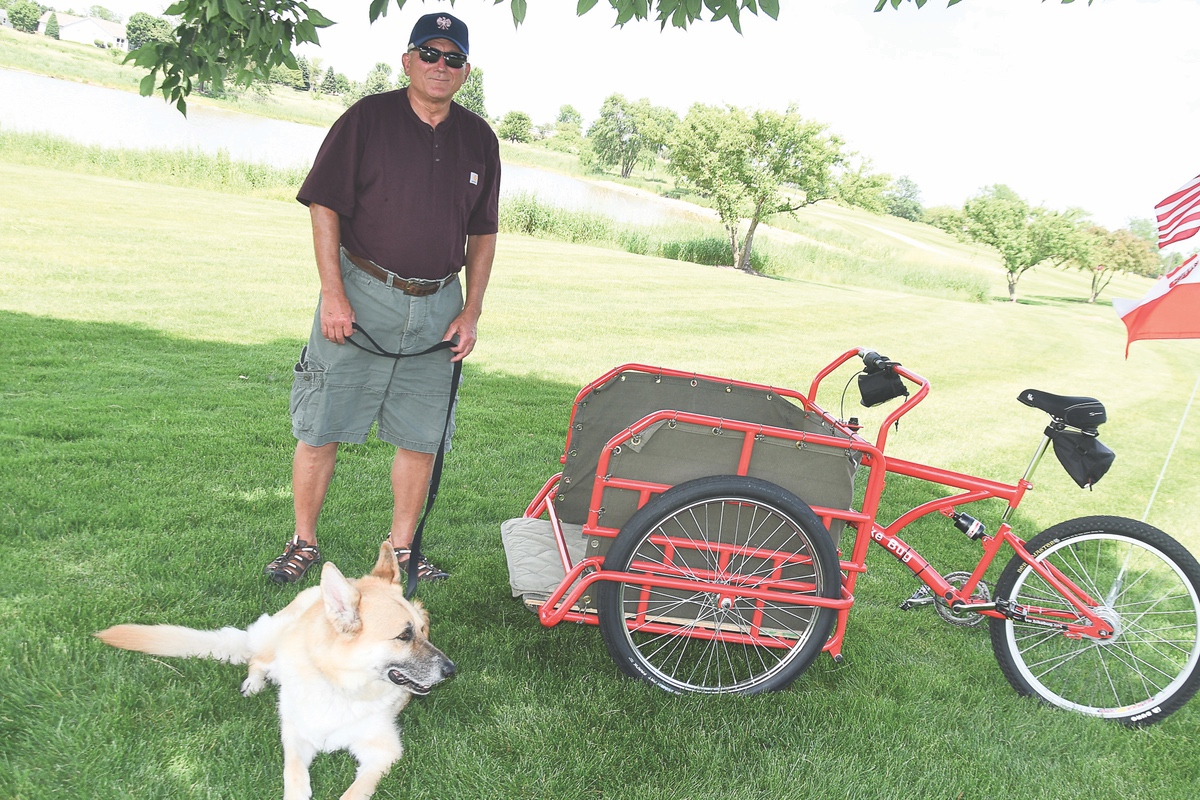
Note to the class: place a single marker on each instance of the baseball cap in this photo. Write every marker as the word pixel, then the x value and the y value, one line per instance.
pixel 439 26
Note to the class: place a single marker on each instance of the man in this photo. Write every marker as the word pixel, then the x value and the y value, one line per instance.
pixel 402 180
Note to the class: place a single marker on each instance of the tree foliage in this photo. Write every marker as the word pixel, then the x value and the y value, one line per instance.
pixel 517 126
pixel 625 133
pixel 863 188
pixel 143 27
pixel 567 115
pixel 754 164
pixel 243 40
pixel 881 4
pixel 903 199
pixel 1109 253
pixel 52 25
pixel 1024 236
pixel 24 16
pixel 470 96
pixel 100 12
pixel 330 84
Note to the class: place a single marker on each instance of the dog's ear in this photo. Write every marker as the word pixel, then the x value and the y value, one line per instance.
pixel 386 566
pixel 341 600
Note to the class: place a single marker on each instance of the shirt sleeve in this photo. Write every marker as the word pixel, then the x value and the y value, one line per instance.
pixel 332 180
pixel 485 216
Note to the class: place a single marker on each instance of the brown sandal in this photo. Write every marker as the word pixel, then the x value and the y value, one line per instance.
pixel 426 571
pixel 290 567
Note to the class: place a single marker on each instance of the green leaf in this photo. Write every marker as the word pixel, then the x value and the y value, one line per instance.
pixel 146 87
pixel 316 17
pixel 237 11
pixel 379 8
pixel 584 6
pixel 518 11
pixel 771 8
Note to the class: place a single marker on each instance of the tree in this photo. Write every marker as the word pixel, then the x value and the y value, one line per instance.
pixel 949 219
pixel 100 12
pixel 470 96
pixel 24 16
pixel 881 4
pixel 305 82
pixel 613 136
pixel 1024 236
pixel 567 115
pixel 1111 252
pixel 753 165
pixel 52 25
pixel 903 199
pixel 330 85
pixel 379 80
pixel 217 40
pixel 516 127
pixel 626 133
pixel 143 27
pixel 864 188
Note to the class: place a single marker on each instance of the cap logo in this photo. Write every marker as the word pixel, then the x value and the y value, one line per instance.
pixel 443 23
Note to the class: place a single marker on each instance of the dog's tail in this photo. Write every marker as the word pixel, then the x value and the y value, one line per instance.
pixel 226 644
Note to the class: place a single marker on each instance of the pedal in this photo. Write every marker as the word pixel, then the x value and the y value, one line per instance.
pixel 923 596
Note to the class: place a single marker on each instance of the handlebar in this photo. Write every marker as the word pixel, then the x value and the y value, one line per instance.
pixel 875 363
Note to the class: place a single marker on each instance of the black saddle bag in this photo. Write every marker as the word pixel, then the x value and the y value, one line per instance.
pixel 1085 458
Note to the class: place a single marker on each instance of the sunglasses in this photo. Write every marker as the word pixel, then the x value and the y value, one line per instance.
pixel 430 55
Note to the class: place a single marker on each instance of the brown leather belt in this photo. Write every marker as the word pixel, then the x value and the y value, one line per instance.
pixel 416 288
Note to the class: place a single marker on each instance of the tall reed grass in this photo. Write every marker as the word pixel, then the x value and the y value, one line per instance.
pixel 190 168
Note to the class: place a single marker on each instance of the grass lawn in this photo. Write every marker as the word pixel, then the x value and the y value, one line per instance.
pixel 144 477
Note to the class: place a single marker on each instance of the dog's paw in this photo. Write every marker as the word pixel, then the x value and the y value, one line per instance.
pixel 253 685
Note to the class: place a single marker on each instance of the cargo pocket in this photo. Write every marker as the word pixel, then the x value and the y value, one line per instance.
pixel 308 378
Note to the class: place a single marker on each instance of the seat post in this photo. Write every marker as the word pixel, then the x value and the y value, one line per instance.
pixel 1033 465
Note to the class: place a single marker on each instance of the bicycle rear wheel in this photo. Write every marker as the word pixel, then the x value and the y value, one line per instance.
pixel 1145 584
pixel 742 534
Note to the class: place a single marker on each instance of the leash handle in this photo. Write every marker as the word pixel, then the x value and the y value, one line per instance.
pixel 435 478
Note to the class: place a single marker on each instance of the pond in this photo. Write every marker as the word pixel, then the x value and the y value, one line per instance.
pixel 112 118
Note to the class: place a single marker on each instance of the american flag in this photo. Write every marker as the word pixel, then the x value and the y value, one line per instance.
pixel 1179 214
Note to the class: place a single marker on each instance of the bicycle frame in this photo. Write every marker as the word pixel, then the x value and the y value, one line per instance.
pixel 563 603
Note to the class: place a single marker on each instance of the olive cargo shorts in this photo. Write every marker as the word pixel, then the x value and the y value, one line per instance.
pixel 339 391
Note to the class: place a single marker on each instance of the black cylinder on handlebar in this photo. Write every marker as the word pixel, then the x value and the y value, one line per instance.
pixel 873 362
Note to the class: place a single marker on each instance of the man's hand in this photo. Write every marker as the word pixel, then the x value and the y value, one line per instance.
pixel 465 327
pixel 337 317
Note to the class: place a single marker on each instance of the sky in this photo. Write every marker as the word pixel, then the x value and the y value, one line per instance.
pixel 1094 107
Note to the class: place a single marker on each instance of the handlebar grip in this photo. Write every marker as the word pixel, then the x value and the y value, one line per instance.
pixel 874 362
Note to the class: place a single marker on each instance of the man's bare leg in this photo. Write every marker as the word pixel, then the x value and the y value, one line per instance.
pixel 312 470
pixel 410 486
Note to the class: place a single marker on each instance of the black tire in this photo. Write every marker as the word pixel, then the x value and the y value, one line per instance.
pixel 696 519
pixel 1147 584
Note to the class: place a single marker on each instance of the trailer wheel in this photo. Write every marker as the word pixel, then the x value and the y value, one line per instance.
pixel 742 535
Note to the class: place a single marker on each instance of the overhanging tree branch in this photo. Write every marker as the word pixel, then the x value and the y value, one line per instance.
pixel 246 39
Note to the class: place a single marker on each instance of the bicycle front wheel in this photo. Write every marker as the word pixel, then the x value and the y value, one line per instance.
pixel 1143 583
pixel 752 549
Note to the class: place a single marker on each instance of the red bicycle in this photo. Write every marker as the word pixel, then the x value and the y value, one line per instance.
pixel 708 526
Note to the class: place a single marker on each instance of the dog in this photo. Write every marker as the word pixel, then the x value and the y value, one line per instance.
pixel 347 657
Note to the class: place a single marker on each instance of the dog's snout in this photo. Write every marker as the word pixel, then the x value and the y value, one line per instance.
pixel 448 669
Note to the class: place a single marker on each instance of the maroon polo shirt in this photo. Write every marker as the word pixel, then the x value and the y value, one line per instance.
pixel 408 194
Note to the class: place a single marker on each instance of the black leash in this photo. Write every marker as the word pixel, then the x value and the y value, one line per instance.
pixel 435 479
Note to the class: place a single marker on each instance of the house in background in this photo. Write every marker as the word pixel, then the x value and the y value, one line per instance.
pixel 87 30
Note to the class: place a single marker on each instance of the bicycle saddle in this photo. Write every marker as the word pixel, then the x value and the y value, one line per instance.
pixel 1078 412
